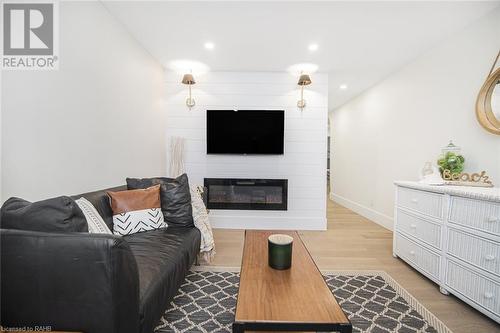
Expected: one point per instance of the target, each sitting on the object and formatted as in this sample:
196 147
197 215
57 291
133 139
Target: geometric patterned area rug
373 301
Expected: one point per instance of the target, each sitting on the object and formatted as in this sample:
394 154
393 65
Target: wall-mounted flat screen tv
245 131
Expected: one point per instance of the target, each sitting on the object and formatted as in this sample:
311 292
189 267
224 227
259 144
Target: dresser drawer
479 289
419 228
427 203
476 214
418 256
474 250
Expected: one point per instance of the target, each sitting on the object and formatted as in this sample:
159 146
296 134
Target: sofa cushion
136 210
175 198
60 214
163 258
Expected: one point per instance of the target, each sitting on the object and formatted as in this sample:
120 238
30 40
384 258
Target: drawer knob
413 226
493 219
489 257
412 253
414 200
488 295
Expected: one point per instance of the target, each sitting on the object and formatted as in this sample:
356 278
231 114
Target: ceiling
359 43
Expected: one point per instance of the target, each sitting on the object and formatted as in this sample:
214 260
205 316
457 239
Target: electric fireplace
249 194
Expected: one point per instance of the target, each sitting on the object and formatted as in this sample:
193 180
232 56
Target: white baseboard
267 222
371 214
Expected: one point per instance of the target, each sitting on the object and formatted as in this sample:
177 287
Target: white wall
1 135
92 123
304 161
391 130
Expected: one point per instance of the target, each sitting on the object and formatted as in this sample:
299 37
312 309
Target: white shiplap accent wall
304 161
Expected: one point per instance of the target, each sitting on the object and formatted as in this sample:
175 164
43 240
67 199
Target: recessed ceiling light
343 86
313 47
209 45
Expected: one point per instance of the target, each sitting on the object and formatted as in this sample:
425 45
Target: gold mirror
488 102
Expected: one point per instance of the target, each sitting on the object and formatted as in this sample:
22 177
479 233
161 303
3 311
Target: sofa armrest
70 282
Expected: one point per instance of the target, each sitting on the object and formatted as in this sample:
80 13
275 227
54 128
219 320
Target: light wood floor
353 242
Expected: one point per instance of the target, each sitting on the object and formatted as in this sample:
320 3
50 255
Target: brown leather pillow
136 210
127 201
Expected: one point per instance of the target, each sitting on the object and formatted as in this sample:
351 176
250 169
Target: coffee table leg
238 327
346 328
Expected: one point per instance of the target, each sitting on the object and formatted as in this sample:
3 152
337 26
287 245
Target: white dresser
451 234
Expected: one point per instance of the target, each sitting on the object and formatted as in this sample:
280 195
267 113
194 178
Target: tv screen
245 131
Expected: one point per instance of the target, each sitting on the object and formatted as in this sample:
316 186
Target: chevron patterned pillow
136 210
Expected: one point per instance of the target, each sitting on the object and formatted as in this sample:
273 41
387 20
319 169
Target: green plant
451 161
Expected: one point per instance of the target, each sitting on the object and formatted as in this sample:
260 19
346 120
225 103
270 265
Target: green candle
280 251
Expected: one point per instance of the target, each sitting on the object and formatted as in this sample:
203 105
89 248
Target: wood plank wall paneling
304 161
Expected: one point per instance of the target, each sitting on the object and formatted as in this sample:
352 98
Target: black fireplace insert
249 194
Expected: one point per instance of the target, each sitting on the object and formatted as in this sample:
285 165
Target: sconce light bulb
190 102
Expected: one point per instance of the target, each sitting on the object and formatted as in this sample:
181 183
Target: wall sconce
304 80
189 80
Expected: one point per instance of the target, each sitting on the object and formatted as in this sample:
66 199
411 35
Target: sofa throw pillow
175 198
136 210
60 214
95 222
100 200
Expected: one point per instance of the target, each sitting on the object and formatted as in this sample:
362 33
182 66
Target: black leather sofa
93 283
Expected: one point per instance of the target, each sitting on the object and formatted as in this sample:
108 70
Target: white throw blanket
200 217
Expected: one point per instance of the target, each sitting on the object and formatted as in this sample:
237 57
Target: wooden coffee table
296 299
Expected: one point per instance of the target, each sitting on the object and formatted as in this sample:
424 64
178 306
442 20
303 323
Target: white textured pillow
94 220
